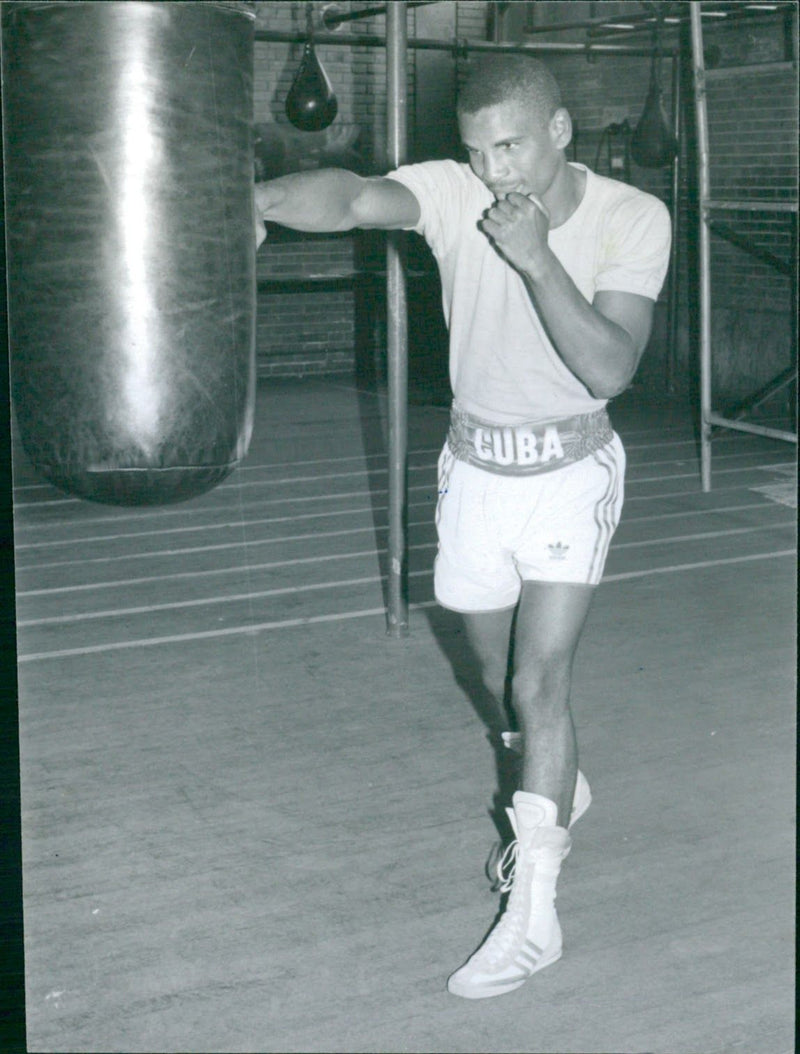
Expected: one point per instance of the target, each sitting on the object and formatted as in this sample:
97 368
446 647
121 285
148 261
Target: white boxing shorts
506 521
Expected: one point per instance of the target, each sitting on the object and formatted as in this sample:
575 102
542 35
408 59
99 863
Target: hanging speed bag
311 104
653 145
131 261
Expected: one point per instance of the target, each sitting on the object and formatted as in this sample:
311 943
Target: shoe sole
466 992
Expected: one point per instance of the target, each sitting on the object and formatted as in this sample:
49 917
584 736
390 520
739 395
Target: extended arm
601 342
334 199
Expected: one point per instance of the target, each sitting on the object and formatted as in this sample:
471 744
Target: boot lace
507 867
511 927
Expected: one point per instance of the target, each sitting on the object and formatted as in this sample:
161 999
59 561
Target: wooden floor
253 822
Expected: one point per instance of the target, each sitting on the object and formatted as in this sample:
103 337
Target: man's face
510 148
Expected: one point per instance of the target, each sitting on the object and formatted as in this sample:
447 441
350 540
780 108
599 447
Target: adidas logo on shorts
558 551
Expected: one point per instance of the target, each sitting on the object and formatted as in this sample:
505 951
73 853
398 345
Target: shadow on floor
448 632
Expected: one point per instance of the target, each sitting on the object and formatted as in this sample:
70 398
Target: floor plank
274 839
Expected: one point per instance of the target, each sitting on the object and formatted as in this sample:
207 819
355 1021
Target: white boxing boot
582 798
528 936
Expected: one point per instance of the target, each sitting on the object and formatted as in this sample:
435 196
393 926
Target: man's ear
561 128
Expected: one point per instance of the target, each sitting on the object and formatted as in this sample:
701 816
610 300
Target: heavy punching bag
131 254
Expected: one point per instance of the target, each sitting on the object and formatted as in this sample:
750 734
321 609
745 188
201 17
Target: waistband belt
526 449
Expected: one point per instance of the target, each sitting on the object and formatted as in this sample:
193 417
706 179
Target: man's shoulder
447 192
621 199
443 172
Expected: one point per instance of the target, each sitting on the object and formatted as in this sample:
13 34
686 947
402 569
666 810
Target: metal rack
709 208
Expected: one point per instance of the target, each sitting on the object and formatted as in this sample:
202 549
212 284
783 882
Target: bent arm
334 199
601 342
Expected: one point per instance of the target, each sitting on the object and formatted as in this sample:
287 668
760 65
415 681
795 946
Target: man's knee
495 678
543 685
489 634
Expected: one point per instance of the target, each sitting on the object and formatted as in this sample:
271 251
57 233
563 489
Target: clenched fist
517 225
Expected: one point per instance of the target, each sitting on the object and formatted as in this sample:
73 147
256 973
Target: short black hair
493 79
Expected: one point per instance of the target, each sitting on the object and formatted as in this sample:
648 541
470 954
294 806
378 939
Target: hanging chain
657 26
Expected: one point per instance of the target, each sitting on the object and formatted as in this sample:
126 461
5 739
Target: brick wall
752 122
304 326
753 148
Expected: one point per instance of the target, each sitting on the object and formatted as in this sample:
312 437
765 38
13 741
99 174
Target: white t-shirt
503 367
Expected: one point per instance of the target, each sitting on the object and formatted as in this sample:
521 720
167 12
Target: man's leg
550 620
489 635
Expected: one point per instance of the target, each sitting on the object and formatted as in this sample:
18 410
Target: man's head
514 127
494 79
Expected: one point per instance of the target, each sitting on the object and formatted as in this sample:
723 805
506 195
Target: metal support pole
794 310
674 277
497 23
397 327
704 236
331 19
278 36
